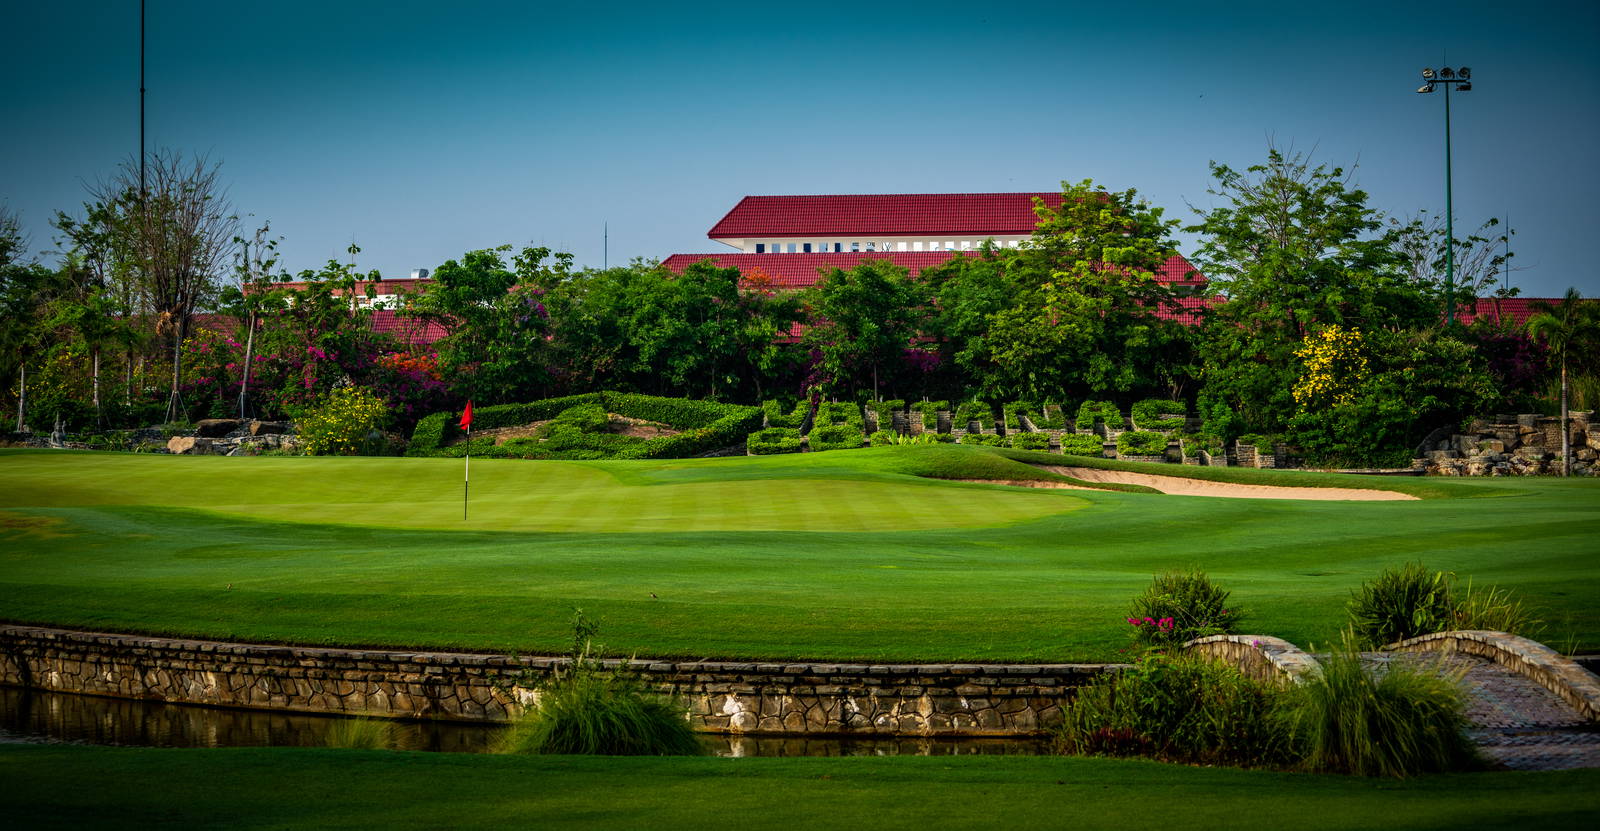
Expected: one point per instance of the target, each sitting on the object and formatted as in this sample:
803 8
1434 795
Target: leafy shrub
588 710
1030 441
1141 443
342 422
835 437
1082 444
986 439
971 411
1147 414
1401 603
930 412
1090 412
1403 721
1179 708
1180 606
777 416
773 440
881 438
914 438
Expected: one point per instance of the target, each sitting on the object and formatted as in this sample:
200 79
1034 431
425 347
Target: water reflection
37 716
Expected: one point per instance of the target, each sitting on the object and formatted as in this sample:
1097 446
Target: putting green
513 495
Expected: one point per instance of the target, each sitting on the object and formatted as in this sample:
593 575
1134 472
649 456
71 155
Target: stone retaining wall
1531 659
732 697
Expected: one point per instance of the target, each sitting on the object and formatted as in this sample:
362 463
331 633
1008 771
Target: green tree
1074 309
1292 247
862 321
1568 326
496 347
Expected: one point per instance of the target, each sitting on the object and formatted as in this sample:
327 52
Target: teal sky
422 130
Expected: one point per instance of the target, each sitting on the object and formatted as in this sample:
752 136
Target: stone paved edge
1263 657
1531 659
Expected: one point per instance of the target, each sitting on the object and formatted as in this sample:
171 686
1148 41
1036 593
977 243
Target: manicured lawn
61 787
839 555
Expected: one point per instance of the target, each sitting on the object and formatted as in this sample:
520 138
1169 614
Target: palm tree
1564 327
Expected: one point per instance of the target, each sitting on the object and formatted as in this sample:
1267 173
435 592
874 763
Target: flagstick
466 474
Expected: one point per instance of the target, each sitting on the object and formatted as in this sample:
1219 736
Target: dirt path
1202 487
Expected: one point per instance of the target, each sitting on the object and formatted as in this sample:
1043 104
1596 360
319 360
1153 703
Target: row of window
857 247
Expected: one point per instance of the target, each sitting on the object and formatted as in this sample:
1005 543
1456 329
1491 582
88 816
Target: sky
421 130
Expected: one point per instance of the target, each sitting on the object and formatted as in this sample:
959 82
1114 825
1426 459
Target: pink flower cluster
1165 624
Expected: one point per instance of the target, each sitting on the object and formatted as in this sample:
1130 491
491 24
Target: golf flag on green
466 472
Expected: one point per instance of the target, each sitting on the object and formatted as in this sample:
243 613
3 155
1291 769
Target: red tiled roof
896 214
407 330
798 271
1515 309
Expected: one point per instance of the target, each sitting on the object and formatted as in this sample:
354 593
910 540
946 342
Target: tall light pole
1461 79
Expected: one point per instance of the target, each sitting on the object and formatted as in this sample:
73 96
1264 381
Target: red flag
466 417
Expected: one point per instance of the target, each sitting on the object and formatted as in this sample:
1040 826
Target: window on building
872 246
807 248
916 246
899 246
791 248
855 247
838 247
761 248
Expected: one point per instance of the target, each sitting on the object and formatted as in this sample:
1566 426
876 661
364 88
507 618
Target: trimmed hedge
930 412
706 426
836 437
987 439
1053 416
773 440
1081 444
778 417
1142 443
885 411
1147 414
1090 412
881 438
971 411
1029 441
1013 410
847 413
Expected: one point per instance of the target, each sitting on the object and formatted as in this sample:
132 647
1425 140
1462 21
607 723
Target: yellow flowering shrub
339 423
1334 368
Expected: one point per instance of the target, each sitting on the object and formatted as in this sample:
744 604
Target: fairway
854 555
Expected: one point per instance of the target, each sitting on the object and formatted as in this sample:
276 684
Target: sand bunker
1027 483
1202 487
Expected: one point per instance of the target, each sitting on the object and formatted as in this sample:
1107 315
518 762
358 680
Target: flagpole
466 471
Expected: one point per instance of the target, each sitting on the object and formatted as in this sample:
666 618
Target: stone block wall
1262 657
733 697
1514 445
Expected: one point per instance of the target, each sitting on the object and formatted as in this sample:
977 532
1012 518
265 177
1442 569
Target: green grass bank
288 788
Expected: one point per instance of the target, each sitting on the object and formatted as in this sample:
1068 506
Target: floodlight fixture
1448 78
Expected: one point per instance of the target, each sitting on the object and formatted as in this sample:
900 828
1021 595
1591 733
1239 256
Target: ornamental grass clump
362 734
1181 708
590 710
1399 720
1401 603
1180 606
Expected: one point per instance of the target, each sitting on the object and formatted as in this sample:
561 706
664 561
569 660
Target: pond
38 716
